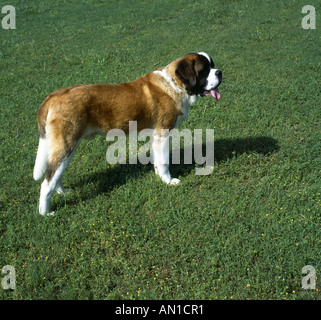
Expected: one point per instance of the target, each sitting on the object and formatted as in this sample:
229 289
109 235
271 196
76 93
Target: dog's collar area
169 79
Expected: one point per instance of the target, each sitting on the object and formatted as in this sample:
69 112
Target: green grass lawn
243 232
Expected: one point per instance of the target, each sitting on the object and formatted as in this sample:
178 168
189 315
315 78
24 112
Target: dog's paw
47 214
174 181
64 192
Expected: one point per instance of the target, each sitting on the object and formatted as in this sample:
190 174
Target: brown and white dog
157 100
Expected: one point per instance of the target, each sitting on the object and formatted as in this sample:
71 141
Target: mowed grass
243 232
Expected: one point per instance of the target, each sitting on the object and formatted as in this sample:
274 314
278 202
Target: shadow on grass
224 149
228 148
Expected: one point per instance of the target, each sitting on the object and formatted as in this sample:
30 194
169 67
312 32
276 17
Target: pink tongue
216 94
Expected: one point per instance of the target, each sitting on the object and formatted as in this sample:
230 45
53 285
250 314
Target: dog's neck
164 73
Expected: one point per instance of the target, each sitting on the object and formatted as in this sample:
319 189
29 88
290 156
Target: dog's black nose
218 73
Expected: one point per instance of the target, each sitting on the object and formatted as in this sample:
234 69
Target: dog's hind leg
61 190
63 142
50 184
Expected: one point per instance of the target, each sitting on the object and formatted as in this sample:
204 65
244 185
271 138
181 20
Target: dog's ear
185 71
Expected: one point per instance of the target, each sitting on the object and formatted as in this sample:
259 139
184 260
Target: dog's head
197 72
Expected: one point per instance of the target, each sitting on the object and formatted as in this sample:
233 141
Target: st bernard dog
157 100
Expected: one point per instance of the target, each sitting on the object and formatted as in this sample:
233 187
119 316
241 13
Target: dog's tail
41 164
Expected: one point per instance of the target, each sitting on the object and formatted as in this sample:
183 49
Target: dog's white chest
187 102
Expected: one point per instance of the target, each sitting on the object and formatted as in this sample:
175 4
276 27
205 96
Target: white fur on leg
61 190
160 148
49 187
41 159
46 193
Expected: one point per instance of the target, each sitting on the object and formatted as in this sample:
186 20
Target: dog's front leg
160 149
